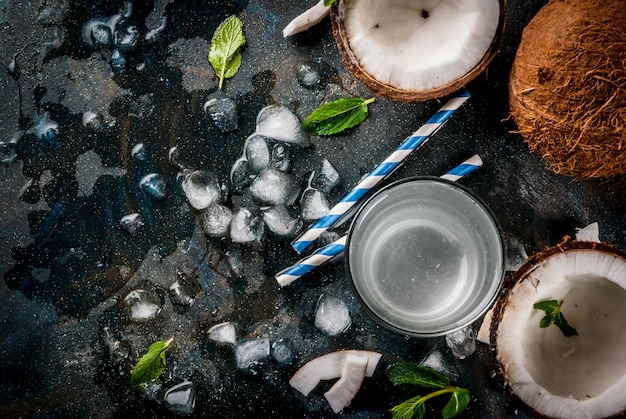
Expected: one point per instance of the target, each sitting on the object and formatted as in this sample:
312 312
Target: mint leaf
457 404
334 117
329 2
409 409
413 374
552 308
225 52
150 366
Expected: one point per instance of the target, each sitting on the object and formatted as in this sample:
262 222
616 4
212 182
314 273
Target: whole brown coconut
567 89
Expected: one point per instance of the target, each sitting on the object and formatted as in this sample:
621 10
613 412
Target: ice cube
280 157
175 158
116 349
181 398
142 305
280 221
437 361
462 343
132 222
240 174
279 123
251 352
257 153
180 298
314 205
223 112
326 177
246 226
332 316
154 185
309 75
8 152
273 187
138 152
223 332
216 219
201 188
282 351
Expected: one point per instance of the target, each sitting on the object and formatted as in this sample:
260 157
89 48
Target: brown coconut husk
567 89
351 62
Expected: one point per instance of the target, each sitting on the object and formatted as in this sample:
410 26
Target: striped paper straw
324 254
381 171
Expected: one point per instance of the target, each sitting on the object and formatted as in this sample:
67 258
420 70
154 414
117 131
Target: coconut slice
417 49
328 367
343 391
581 376
307 19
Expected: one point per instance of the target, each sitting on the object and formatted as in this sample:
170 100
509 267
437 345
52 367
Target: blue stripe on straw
462 170
301 245
412 142
441 116
384 168
354 195
327 221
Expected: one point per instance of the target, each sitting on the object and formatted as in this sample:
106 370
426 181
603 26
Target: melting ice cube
257 153
282 351
240 174
223 332
280 221
246 226
462 343
326 177
154 185
332 316
181 398
273 187
251 352
279 123
223 112
132 222
142 305
201 188
216 219
314 205
280 157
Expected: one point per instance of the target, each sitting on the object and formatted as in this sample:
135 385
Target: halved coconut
581 376
417 49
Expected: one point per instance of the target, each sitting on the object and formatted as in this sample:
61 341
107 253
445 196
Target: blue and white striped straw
324 254
380 172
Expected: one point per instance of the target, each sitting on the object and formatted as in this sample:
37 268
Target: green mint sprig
334 117
329 2
552 308
150 366
225 53
412 374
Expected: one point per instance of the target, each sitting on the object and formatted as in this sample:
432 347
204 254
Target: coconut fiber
567 89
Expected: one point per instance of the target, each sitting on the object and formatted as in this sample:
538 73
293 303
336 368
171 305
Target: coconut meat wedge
582 376
417 49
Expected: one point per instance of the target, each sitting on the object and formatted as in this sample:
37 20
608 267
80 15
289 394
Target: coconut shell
511 280
352 64
567 88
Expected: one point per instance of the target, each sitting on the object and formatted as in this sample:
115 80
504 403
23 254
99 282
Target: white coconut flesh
577 376
419 45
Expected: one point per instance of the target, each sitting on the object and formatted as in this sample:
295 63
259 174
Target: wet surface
72 273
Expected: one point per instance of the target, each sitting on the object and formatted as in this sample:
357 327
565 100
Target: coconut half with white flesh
582 376
417 49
